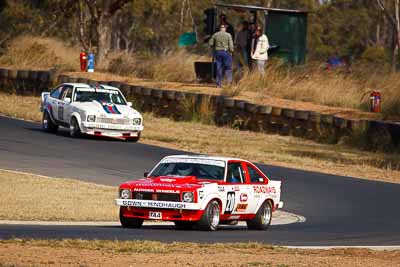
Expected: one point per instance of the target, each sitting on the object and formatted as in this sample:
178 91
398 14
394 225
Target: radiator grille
114 121
157 196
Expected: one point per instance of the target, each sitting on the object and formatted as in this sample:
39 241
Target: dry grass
151 253
259 147
28 52
313 83
33 197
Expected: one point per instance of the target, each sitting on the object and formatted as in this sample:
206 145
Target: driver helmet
184 169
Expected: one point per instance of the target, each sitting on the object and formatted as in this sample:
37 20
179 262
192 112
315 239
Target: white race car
100 110
203 191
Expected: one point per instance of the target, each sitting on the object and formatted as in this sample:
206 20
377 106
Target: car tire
47 123
129 222
74 129
133 139
263 217
210 219
181 225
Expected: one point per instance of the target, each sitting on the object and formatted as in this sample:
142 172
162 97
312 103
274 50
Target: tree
394 20
102 13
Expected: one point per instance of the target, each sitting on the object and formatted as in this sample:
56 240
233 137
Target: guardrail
224 111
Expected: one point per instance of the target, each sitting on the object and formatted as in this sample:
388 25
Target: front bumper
111 130
168 211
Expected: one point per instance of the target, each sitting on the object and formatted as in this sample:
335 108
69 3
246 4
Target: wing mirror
67 100
146 174
129 104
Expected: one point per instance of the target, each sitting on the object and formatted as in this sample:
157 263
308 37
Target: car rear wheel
74 129
184 225
129 222
210 219
47 123
263 218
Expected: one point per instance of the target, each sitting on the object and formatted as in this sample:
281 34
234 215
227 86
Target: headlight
187 197
91 118
137 121
125 193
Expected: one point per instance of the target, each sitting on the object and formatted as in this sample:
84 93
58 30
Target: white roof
85 85
204 157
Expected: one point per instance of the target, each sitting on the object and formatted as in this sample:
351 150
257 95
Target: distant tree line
359 29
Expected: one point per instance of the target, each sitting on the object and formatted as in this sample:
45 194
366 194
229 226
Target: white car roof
226 159
85 85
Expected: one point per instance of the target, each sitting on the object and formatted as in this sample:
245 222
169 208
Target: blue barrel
90 67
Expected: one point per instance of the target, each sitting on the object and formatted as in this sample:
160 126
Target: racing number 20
230 202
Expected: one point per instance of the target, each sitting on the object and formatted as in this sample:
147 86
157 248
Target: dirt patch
146 253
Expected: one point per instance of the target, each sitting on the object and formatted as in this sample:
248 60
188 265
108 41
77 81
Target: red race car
200 191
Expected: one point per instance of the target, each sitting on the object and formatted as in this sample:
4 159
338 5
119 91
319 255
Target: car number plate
155 215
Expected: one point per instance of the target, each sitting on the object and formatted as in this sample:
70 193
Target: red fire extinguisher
375 98
83 60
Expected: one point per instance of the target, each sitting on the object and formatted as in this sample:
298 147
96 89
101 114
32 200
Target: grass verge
151 253
277 150
34 197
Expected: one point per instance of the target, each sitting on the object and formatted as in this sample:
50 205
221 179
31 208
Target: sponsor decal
218 163
158 185
154 204
236 188
143 190
234 217
243 197
264 189
230 202
166 191
241 207
100 90
221 189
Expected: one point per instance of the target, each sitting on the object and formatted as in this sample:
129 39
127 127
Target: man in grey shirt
222 44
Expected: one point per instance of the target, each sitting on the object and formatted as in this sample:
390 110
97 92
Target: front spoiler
152 204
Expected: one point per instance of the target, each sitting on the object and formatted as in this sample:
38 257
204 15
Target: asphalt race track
339 210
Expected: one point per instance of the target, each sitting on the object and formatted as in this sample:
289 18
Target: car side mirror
67 100
146 174
261 180
129 104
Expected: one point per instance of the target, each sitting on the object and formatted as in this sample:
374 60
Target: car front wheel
210 219
263 217
74 129
129 222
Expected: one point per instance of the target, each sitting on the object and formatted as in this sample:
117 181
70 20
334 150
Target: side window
67 92
235 173
255 176
56 93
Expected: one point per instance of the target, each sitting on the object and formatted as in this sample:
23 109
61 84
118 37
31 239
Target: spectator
223 20
241 46
251 30
259 49
222 44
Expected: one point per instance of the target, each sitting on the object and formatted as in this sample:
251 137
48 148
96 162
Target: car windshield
101 95
200 170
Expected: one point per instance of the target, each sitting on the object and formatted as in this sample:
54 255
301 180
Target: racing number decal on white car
230 202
